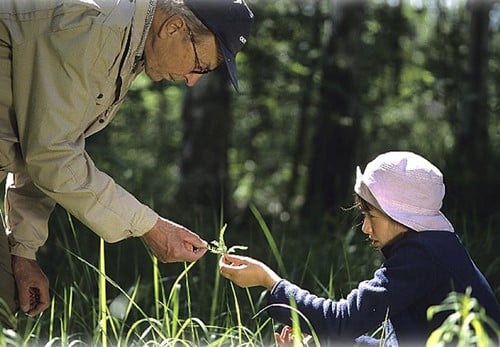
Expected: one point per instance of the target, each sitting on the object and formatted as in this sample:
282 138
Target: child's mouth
374 243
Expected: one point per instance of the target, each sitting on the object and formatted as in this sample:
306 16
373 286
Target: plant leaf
220 248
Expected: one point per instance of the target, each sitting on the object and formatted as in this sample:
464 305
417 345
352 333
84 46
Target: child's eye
367 214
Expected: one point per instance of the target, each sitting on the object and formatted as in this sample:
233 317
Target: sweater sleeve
394 287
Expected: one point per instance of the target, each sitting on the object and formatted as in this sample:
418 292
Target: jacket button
100 96
101 120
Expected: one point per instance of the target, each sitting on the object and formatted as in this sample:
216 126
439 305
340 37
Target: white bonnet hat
407 187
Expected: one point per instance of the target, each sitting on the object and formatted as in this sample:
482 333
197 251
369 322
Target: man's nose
192 78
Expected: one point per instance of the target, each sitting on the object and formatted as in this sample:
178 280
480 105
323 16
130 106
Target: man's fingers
37 309
186 252
44 300
198 252
33 301
32 286
196 241
24 297
190 256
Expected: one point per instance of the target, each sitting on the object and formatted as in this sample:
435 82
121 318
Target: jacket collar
141 25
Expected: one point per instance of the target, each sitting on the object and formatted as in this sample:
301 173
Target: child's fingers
286 332
227 267
279 340
285 337
234 259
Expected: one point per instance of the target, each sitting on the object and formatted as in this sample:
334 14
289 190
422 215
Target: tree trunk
206 122
337 125
308 91
472 147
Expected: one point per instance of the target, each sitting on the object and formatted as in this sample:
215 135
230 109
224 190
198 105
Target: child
400 195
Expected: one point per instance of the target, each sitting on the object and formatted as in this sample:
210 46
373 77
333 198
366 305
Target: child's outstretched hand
286 338
247 272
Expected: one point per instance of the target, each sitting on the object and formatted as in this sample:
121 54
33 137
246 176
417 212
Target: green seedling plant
466 325
220 248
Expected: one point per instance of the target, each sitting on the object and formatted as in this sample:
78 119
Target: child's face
380 228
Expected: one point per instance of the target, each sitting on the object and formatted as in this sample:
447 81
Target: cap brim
230 62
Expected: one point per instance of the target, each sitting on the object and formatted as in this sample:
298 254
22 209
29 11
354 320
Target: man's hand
171 242
32 286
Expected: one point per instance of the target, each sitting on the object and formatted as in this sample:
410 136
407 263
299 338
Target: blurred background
325 86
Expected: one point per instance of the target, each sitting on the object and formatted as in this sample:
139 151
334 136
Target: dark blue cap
231 22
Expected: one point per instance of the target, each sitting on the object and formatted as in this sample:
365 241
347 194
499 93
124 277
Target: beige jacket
65 67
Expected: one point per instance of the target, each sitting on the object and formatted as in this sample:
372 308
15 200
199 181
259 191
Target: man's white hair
177 7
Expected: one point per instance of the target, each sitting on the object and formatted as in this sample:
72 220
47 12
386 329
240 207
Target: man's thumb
24 301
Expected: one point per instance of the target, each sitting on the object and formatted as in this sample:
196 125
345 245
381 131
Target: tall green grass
94 305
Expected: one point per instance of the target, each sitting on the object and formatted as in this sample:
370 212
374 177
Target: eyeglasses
198 69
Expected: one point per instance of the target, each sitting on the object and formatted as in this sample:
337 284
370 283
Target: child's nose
367 226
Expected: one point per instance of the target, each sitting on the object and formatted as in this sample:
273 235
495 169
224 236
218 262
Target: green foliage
220 248
183 310
6 317
466 325
411 74
115 322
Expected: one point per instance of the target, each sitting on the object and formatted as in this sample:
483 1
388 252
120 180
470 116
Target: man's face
173 53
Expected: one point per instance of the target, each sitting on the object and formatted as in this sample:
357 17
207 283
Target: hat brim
230 62
415 222
419 222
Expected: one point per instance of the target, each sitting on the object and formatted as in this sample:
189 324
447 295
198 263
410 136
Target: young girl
400 195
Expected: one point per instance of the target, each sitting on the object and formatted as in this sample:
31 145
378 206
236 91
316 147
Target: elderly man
65 67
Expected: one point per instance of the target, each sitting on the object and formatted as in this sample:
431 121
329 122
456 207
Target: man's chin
152 75
154 78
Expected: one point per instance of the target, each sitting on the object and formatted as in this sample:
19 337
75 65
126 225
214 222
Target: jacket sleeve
392 289
58 76
28 226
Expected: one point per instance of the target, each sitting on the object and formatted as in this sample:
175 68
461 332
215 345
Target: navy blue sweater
420 269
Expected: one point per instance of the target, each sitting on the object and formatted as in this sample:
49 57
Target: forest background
325 86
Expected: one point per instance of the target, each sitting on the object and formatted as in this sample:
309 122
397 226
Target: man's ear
171 26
